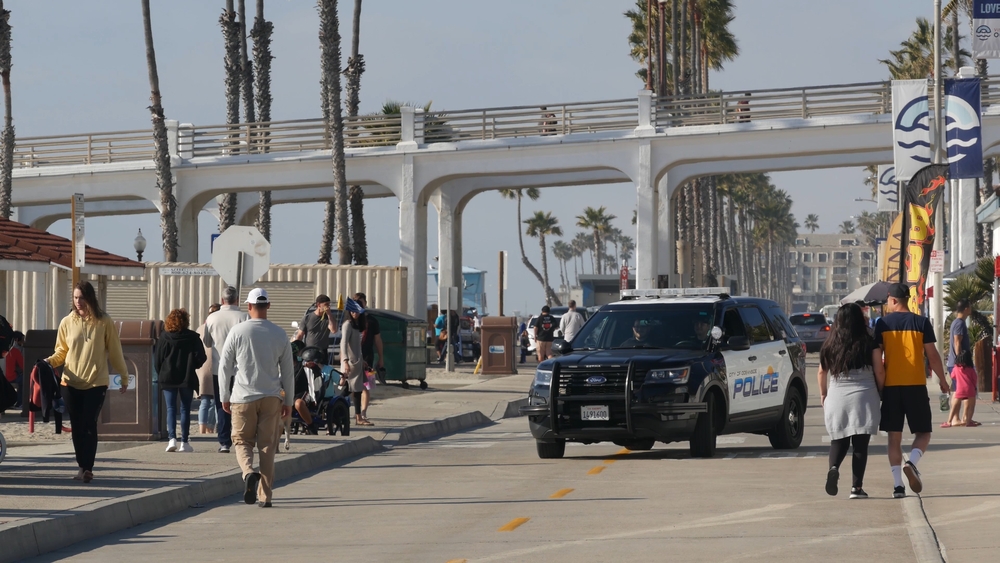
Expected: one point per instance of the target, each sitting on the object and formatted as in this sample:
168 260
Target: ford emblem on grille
596 380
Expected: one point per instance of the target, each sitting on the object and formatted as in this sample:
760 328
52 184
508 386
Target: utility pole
937 302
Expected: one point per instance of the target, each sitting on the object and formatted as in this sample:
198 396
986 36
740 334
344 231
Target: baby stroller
316 384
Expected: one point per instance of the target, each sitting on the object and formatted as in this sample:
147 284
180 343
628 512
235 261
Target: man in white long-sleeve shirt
217 327
257 357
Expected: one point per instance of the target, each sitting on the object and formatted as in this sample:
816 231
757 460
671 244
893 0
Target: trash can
137 413
404 344
38 345
499 345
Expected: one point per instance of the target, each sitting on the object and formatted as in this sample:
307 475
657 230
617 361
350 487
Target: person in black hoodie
179 353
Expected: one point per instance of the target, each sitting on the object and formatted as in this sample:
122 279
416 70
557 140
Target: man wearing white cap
258 358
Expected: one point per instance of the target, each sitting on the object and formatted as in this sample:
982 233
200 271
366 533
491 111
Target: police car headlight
677 375
543 376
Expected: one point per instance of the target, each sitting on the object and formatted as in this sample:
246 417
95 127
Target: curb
435 429
926 547
509 409
37 536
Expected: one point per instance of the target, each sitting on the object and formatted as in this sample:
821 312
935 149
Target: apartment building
825 268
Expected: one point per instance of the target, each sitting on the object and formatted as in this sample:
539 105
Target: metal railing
717 108
530 121
90 148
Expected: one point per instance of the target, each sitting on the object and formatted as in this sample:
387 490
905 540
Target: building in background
825 268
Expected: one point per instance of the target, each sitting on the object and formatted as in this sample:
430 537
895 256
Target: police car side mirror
738 343
560 346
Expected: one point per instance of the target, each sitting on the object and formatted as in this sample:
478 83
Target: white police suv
672 365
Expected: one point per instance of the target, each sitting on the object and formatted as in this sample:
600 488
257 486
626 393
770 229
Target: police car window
677 326
755 324
732 325
780 323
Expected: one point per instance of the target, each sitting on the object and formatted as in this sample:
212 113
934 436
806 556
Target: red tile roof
21 242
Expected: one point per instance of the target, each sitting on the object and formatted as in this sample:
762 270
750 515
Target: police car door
738 364
765 385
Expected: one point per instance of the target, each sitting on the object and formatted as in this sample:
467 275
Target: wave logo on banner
986 29
963 128
911 132
888 189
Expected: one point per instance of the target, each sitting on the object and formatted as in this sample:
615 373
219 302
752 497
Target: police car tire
641 445
551 450
782 437
702 442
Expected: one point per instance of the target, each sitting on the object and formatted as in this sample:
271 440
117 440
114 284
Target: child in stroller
317 403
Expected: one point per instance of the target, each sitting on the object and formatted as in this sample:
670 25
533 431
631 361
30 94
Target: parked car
672 368
531 329
812 328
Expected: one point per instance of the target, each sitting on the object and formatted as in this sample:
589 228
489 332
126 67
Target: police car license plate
594 412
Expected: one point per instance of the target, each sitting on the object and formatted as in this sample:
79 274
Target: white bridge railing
416 126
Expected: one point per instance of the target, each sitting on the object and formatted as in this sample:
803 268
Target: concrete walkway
43 509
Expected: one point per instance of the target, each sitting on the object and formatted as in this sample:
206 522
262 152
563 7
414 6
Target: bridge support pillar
449 242
648 216
187 233
413 240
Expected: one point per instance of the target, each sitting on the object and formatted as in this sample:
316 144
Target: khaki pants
257 424
544 350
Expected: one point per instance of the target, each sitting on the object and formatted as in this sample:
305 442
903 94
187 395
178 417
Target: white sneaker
186 448
172 445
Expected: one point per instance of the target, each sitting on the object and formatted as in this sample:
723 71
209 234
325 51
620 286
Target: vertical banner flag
888 188
922 199
892 251
911 132
963 128
986 29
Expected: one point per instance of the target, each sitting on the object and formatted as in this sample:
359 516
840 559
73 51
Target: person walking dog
257 357
217 327
907 340
85 343
850 378
179 354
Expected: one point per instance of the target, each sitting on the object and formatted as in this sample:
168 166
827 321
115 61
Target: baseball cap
258 296
899 291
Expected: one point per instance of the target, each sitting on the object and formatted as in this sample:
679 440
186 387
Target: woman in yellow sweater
85 343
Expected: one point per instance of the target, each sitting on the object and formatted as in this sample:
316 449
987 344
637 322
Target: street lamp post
139 244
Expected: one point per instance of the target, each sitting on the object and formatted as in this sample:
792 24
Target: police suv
672 365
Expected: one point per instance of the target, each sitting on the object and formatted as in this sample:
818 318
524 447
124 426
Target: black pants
838 451
223 420
84 406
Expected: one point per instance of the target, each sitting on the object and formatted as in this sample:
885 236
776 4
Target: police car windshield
670 326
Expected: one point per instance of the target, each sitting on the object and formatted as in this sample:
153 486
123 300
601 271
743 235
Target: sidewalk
43 509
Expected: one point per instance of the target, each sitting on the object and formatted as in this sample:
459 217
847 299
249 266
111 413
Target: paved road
485 496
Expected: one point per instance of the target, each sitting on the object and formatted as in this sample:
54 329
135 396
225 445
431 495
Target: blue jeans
186 395
206 410
223 420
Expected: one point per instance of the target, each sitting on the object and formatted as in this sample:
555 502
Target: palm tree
234 71
915 57
517 195
614 235
628 246
161 154
261 34
847 227
336 212
7 137
247 70
352 74
598 221
542 225
581 245
812 222
564 253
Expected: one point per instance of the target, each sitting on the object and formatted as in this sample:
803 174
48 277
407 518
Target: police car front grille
574 381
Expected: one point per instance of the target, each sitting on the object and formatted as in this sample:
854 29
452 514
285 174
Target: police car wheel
702 442
787 433
551 450
639 445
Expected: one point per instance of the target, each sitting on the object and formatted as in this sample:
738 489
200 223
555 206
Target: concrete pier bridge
445 158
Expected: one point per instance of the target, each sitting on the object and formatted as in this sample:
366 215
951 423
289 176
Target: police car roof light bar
674 292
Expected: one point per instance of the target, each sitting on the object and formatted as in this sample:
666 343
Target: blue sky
80 67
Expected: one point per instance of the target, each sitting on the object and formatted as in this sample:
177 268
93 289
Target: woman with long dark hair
352 361
85 343
179 354
851 376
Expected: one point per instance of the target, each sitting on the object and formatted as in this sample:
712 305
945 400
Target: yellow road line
596 470
561 493
624 451
513 524
457 560
610 461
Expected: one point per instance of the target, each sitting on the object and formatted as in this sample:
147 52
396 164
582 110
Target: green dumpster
404 343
